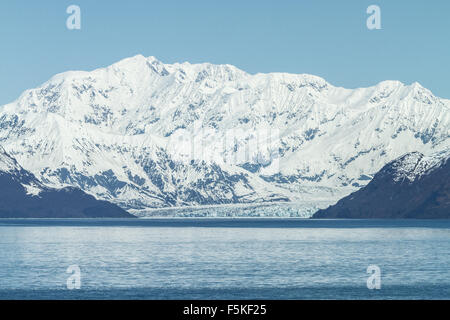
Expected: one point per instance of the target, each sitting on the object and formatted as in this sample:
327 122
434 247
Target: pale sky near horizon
326 38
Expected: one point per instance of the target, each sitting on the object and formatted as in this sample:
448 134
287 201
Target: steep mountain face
23 196
413 186
145 134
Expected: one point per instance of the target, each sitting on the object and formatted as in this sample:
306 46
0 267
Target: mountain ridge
24 196
144 134
412 186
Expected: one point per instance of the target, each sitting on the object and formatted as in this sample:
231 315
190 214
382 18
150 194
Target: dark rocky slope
412 186
23 196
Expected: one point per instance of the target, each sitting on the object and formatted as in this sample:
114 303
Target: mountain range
143 134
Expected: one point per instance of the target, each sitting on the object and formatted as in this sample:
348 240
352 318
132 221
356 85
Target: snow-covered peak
405 167
389 84
119 132
415 165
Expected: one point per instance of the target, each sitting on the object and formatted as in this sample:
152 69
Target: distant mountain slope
413 186
145 134
23 196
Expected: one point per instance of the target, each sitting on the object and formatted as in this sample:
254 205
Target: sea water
223 259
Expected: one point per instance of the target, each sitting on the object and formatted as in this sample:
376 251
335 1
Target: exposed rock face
23 196
413 186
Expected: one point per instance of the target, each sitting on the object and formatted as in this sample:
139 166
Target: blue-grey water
224 258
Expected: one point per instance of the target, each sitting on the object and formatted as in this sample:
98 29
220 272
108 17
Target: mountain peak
390 84
137 60
414 165
124 133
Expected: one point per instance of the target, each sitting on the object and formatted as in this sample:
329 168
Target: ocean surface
223 259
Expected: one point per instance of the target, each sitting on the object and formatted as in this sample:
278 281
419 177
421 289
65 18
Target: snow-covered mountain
145 134
412 186
22 195
9 167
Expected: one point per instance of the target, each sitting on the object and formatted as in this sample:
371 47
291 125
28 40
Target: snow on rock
145 134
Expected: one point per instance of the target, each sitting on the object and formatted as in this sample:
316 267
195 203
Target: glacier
147 135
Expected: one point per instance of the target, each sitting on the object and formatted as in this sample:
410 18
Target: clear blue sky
326 38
